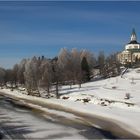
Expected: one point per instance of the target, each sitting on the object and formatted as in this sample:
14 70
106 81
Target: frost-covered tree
66 65
20 73
46 75
31 76
40 72
70 65
76 60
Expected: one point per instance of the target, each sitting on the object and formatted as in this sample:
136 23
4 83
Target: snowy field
104 98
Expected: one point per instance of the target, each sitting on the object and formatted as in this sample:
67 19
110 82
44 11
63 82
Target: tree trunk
48 90
79 85
70 85
57 94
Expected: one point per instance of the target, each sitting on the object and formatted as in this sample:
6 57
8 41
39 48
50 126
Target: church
131 53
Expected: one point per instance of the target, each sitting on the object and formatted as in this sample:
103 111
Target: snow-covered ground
104 98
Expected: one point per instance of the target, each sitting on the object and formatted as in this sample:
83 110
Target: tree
70 64
56 76
9 78
90 58
66 66
15 74
101 62
31 77
20 73
85 70
2 76
113 65
76 61
46 76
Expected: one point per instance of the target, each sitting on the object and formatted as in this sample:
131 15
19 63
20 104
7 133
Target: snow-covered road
20 122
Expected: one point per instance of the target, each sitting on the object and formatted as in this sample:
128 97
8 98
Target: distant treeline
68 68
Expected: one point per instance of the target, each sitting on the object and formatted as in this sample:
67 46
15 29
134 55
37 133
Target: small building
132 51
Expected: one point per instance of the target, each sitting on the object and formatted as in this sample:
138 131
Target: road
20 122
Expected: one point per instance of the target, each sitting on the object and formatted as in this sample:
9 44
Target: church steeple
133 35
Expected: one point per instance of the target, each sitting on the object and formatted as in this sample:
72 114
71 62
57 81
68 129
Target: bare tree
9 78
56 76
101 62
2 76
113 66
15 74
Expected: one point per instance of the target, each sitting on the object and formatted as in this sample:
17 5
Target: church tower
133 44
132 50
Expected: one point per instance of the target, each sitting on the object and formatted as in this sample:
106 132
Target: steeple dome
133 39
133 35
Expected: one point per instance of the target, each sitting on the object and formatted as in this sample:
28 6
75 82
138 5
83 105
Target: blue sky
42 28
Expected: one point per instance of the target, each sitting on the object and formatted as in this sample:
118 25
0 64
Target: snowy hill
109 97
104 98
111 91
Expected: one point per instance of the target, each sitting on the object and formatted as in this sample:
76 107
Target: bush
127 96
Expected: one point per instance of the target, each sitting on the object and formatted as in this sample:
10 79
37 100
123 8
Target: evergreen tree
85 69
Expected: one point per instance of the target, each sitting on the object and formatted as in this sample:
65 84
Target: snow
37 128
106 99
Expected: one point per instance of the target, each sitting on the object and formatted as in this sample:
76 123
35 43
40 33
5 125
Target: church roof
133 42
